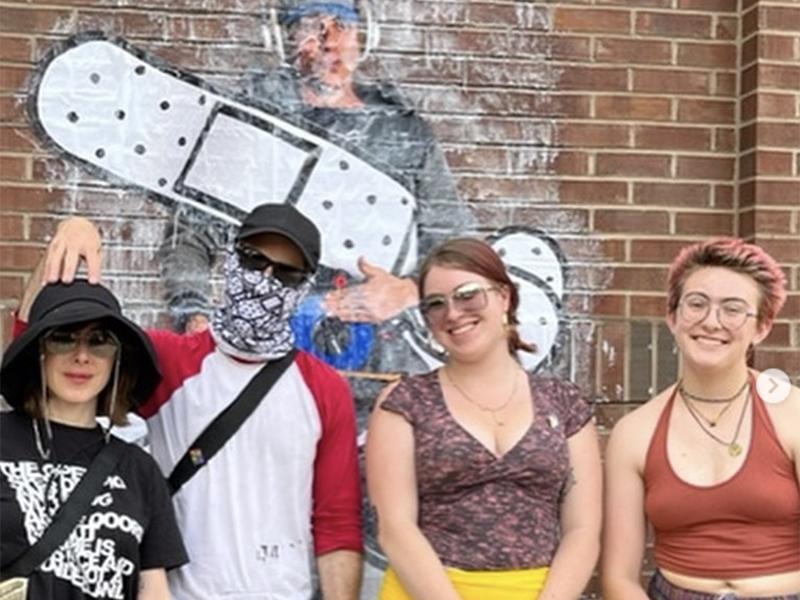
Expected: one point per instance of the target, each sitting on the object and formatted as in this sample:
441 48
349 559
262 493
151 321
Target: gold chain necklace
492 411
734 448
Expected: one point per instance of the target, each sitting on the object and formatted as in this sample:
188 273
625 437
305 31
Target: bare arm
340 574
153 585
625 524
392 485
581 516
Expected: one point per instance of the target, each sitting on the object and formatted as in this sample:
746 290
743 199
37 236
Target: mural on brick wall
352 155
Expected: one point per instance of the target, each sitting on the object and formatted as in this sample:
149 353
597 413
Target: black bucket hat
60 305
285 220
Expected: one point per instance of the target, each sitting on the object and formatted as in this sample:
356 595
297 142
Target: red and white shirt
284 488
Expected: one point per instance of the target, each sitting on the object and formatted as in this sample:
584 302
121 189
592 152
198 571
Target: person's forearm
416 564
340 574
572 565
617 588
32 288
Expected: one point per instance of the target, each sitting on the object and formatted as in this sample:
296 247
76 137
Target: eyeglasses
469 297
253 260
101 343
732 314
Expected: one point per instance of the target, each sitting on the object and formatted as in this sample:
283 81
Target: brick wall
625 129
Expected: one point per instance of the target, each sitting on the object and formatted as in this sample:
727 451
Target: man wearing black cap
285 486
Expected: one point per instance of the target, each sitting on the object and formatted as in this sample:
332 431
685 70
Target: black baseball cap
285 220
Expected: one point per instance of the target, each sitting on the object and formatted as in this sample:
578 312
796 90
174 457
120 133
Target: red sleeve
18 328
179 356
336 518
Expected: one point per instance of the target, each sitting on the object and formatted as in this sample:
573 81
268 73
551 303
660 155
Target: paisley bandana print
254 322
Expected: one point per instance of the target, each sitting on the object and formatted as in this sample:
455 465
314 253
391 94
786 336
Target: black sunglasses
253 260
100 342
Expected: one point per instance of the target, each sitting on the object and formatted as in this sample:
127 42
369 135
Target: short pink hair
737 255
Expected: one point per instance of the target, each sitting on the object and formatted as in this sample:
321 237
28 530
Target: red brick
526 16
519 188
12 228
666 81
13 168
704 224
32 20
583 249
749 22
672 194
713 56
635 108
639 3
781 18
14 78
692 110
589 135
779 336
16 139
648 306
673 25
725 85
12 110
785 251
600 79
133 25
661 251
786 360
723 196
470 158
596 304
781 135
724 139
705 167
612 359
16 49
19 257
763 162
593 192
766 222
632 165
592 20
632 51
776 105
29 199
718 6
631 221
786 77
776 47
10 287
727 28
749 78
674 138
642 279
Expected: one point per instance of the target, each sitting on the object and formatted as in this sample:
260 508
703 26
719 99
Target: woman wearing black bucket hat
80 358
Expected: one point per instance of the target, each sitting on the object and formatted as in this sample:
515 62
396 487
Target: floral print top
481 512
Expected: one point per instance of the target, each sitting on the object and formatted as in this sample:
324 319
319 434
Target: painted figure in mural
253 519
713 461
486 479
77 359
317 85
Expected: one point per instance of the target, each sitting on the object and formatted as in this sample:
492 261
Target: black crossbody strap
70 513
227 423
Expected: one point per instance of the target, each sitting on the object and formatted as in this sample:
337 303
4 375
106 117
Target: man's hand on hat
76 238
381 296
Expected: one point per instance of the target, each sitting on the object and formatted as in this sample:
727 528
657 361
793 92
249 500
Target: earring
505 320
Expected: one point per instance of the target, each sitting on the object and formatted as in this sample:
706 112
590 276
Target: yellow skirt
520 584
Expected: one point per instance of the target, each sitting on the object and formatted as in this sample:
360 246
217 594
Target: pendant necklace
734 448
499 421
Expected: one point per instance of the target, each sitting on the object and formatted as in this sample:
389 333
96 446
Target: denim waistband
661 589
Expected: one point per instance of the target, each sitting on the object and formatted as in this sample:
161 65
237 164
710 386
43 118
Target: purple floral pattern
478 511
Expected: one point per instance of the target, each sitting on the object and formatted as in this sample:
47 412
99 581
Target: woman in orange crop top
712 463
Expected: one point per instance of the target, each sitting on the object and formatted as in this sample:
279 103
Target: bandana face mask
254 322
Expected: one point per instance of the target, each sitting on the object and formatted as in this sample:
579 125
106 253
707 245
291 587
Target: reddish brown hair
737 255
476 256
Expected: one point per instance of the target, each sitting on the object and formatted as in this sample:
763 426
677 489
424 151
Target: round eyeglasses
732 313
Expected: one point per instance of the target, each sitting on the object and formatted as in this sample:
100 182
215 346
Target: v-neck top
480 511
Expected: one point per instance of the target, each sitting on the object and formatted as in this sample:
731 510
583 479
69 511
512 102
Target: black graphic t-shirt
129 527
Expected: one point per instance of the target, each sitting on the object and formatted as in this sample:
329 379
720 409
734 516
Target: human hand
380 297
76 238
196 323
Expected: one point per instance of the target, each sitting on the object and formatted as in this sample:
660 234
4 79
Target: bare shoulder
384 393
631 435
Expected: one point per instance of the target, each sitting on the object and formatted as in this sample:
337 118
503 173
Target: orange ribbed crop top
746 526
